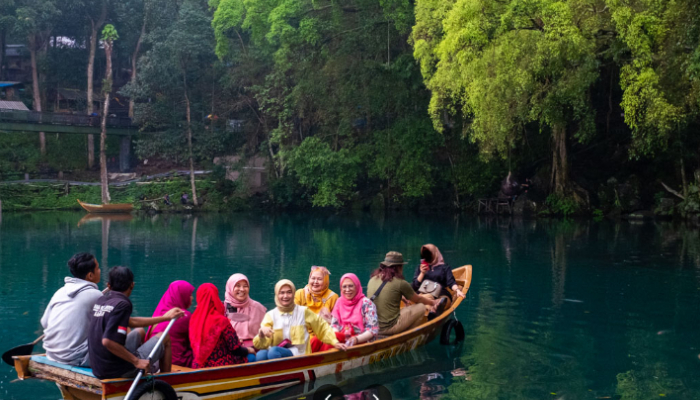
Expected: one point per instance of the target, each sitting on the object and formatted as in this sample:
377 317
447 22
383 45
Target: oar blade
23 350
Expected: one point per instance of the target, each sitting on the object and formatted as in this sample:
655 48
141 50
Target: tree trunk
134 58
3 36
103 125
684 180
90 75
189 144
35 88
560 162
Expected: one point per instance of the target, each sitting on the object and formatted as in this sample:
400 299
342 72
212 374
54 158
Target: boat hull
246 380
120 208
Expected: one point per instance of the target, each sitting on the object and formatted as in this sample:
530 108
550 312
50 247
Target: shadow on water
557 309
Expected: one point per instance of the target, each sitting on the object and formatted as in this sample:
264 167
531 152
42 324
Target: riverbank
225 196
146 196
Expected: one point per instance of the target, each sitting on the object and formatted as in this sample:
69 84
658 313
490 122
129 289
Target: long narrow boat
107 208
243 380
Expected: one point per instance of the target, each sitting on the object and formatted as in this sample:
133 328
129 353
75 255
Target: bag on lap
430 287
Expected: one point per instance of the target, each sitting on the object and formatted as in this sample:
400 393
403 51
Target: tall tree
96 15
35 21
504 64
109 35
660 75
174 71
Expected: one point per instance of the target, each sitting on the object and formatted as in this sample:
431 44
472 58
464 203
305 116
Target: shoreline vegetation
147 196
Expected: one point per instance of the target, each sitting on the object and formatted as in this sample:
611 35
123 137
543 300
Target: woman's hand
351 342
265 332
459 293
325 314
251 350
340 346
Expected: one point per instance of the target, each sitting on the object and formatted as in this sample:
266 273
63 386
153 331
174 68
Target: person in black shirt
114 351
434 268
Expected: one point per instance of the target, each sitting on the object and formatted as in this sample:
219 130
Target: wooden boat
243 380
107 208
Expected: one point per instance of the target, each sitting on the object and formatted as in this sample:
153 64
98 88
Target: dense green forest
393 103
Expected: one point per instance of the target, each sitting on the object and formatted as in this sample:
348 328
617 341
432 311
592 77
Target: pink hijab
246 328
348 312
177 295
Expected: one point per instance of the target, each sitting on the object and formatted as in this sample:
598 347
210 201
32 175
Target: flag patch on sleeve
122 330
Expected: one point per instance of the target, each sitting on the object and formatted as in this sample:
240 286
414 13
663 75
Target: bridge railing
36 117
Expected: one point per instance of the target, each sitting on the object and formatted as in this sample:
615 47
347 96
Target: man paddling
66 318
115 352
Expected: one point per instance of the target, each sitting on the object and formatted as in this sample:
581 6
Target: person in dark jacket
434 268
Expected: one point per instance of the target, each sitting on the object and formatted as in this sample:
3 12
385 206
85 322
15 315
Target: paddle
150 357
24 349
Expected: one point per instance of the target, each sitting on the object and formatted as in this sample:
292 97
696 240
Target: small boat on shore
242 380
120 208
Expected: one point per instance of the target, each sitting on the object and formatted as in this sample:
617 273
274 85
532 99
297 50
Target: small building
6 105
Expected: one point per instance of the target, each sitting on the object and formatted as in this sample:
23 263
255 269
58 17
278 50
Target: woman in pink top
179 294
244 313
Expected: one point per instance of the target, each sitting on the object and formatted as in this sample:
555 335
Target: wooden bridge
34 121
17 121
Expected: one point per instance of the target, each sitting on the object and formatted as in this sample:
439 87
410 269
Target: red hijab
207 322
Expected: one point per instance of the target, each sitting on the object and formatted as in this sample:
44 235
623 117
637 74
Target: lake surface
557 309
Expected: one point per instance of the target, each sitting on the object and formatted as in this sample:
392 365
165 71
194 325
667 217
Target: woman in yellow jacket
317 295
284 331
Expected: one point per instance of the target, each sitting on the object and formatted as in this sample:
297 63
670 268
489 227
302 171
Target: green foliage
598 215
659 67
331 174
109 33
504 64
562 205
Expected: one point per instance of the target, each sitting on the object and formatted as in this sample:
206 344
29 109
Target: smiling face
240 291
348 289
285 296
316 281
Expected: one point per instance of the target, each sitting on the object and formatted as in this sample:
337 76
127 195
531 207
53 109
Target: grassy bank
212 196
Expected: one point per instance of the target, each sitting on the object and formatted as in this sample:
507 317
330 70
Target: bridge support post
125 154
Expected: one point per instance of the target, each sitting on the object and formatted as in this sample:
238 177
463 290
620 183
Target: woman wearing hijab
316 295
214 341
354 316
179 294
434 268
285 330
244 313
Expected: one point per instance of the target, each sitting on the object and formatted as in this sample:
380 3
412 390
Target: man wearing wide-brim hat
386 287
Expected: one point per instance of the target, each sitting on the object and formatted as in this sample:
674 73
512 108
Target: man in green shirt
388 280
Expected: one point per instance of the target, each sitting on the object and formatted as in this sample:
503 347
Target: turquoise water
557 309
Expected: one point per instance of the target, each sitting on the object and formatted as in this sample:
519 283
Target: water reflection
557 309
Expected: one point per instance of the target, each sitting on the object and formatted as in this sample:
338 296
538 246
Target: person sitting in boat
386 287
214 341
316 295
244 313
66 318
354 316
179 294
285 330
113 352
433 270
